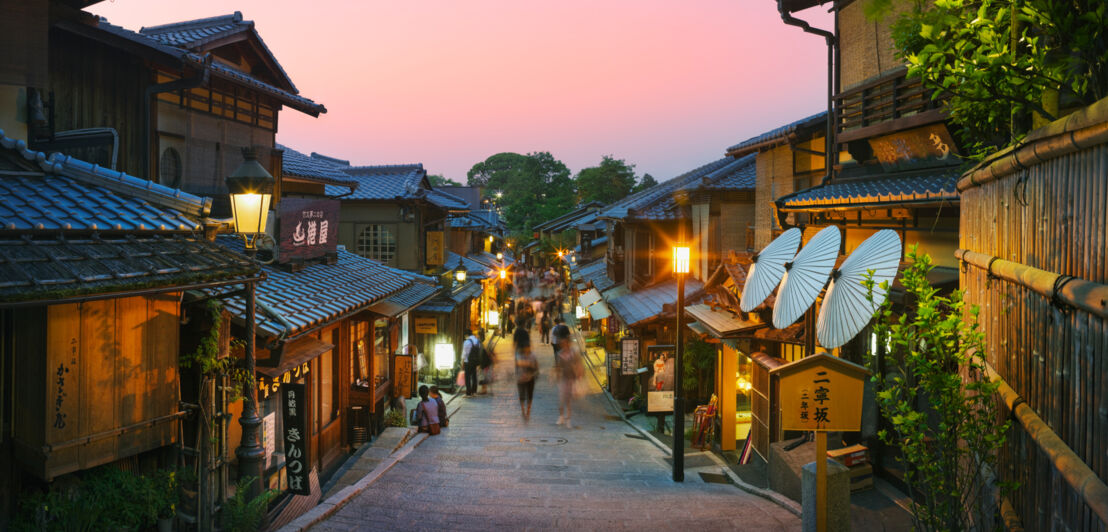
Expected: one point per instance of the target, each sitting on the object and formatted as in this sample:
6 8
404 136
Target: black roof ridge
414 166
233 18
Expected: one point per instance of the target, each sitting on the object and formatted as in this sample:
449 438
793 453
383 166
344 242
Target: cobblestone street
490 471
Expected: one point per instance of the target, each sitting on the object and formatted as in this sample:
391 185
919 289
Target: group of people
430 414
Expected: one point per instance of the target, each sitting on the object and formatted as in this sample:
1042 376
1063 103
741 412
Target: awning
299 352
721 324
698 328
599 310
404 300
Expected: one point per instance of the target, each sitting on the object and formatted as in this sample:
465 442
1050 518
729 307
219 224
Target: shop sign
269 437
629 355
402 375
294 405
659 401
436 248
426 325
918 147
267 384
309 228
821 393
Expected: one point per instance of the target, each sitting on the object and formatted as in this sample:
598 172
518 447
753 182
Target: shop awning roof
645 304
721 324
934 186
404 300
296 353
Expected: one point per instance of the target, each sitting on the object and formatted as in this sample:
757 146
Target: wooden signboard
309 228
436 250
401 375
659 402
294 408
821 392
426 325
913 148
629 354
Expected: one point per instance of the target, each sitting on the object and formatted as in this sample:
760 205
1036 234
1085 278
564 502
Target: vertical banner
294 404
402 375
436 248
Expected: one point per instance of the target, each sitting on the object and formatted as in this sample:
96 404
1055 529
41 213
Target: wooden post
821 481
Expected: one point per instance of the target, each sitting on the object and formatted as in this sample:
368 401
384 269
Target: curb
770 495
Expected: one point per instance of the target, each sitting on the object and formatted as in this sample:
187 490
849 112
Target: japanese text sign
436 248
309 228
629 353
294 406
821 393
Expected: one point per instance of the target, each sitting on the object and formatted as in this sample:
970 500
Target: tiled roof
445 200
587 210
739 175
317 294
931 187
69 228
657 202
384 182
778 135
39 269
194 34
181 56
478 220
490 261
597 273
316 169
73 195
472 268
644 304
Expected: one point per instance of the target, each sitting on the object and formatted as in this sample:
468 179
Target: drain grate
715 478
544 441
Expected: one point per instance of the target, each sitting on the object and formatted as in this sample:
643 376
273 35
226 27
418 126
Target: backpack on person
483 358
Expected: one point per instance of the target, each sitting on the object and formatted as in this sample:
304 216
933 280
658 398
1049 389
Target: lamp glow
680 259
492 318
503 274
444 356
251 189
499 256
561 254
460 276
250 212
581 313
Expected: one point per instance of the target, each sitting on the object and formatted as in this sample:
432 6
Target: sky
665 85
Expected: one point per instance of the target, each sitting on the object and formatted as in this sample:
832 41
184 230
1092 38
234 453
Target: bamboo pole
1085 295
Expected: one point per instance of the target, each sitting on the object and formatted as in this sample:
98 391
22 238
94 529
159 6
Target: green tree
534 187
998 63
646 182
438 180
608 182
938 399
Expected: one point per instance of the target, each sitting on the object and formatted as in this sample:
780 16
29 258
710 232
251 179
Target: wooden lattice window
377 242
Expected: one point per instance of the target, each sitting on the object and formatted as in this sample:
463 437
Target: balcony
884 105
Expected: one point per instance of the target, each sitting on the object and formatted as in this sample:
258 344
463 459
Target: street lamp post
251 189
680 269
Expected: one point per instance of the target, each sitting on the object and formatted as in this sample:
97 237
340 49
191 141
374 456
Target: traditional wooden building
95 264
1034 257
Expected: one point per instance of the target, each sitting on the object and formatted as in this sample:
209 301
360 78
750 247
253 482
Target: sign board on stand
821 393
659 402
629 355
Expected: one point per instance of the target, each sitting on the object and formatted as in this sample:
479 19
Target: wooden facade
97 382
1033 238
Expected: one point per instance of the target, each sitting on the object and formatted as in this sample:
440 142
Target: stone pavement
491 470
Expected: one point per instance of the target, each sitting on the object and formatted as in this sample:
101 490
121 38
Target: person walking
544 327
427 413
570 370
527 370
471 348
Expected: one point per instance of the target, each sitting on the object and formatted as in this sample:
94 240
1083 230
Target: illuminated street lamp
499 256
561 253
503 274
460 276
680 270
251 190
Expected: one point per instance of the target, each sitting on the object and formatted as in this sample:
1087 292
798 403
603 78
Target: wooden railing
877 106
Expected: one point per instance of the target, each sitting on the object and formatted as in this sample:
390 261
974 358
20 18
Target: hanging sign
294 407
267 384
436 248
309 228
629 355
401 375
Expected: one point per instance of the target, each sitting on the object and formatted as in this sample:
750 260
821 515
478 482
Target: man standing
470 357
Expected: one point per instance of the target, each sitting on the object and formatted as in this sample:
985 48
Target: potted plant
165 498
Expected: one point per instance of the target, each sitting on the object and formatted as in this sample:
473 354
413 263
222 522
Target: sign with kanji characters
426 325
436 248
914 148
629 355
268 385
309 228
294 410
821 393
659 402
402 375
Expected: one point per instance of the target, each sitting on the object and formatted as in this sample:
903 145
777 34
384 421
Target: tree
646 182
939 401
437 180
999 63
608 182
533 187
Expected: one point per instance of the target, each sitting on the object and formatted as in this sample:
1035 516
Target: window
377 242
381 350
169 168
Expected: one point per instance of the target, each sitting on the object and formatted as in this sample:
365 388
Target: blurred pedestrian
485 367
544 328
570 370
527 370
427 413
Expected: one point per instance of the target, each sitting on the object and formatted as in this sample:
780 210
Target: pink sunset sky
665 85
